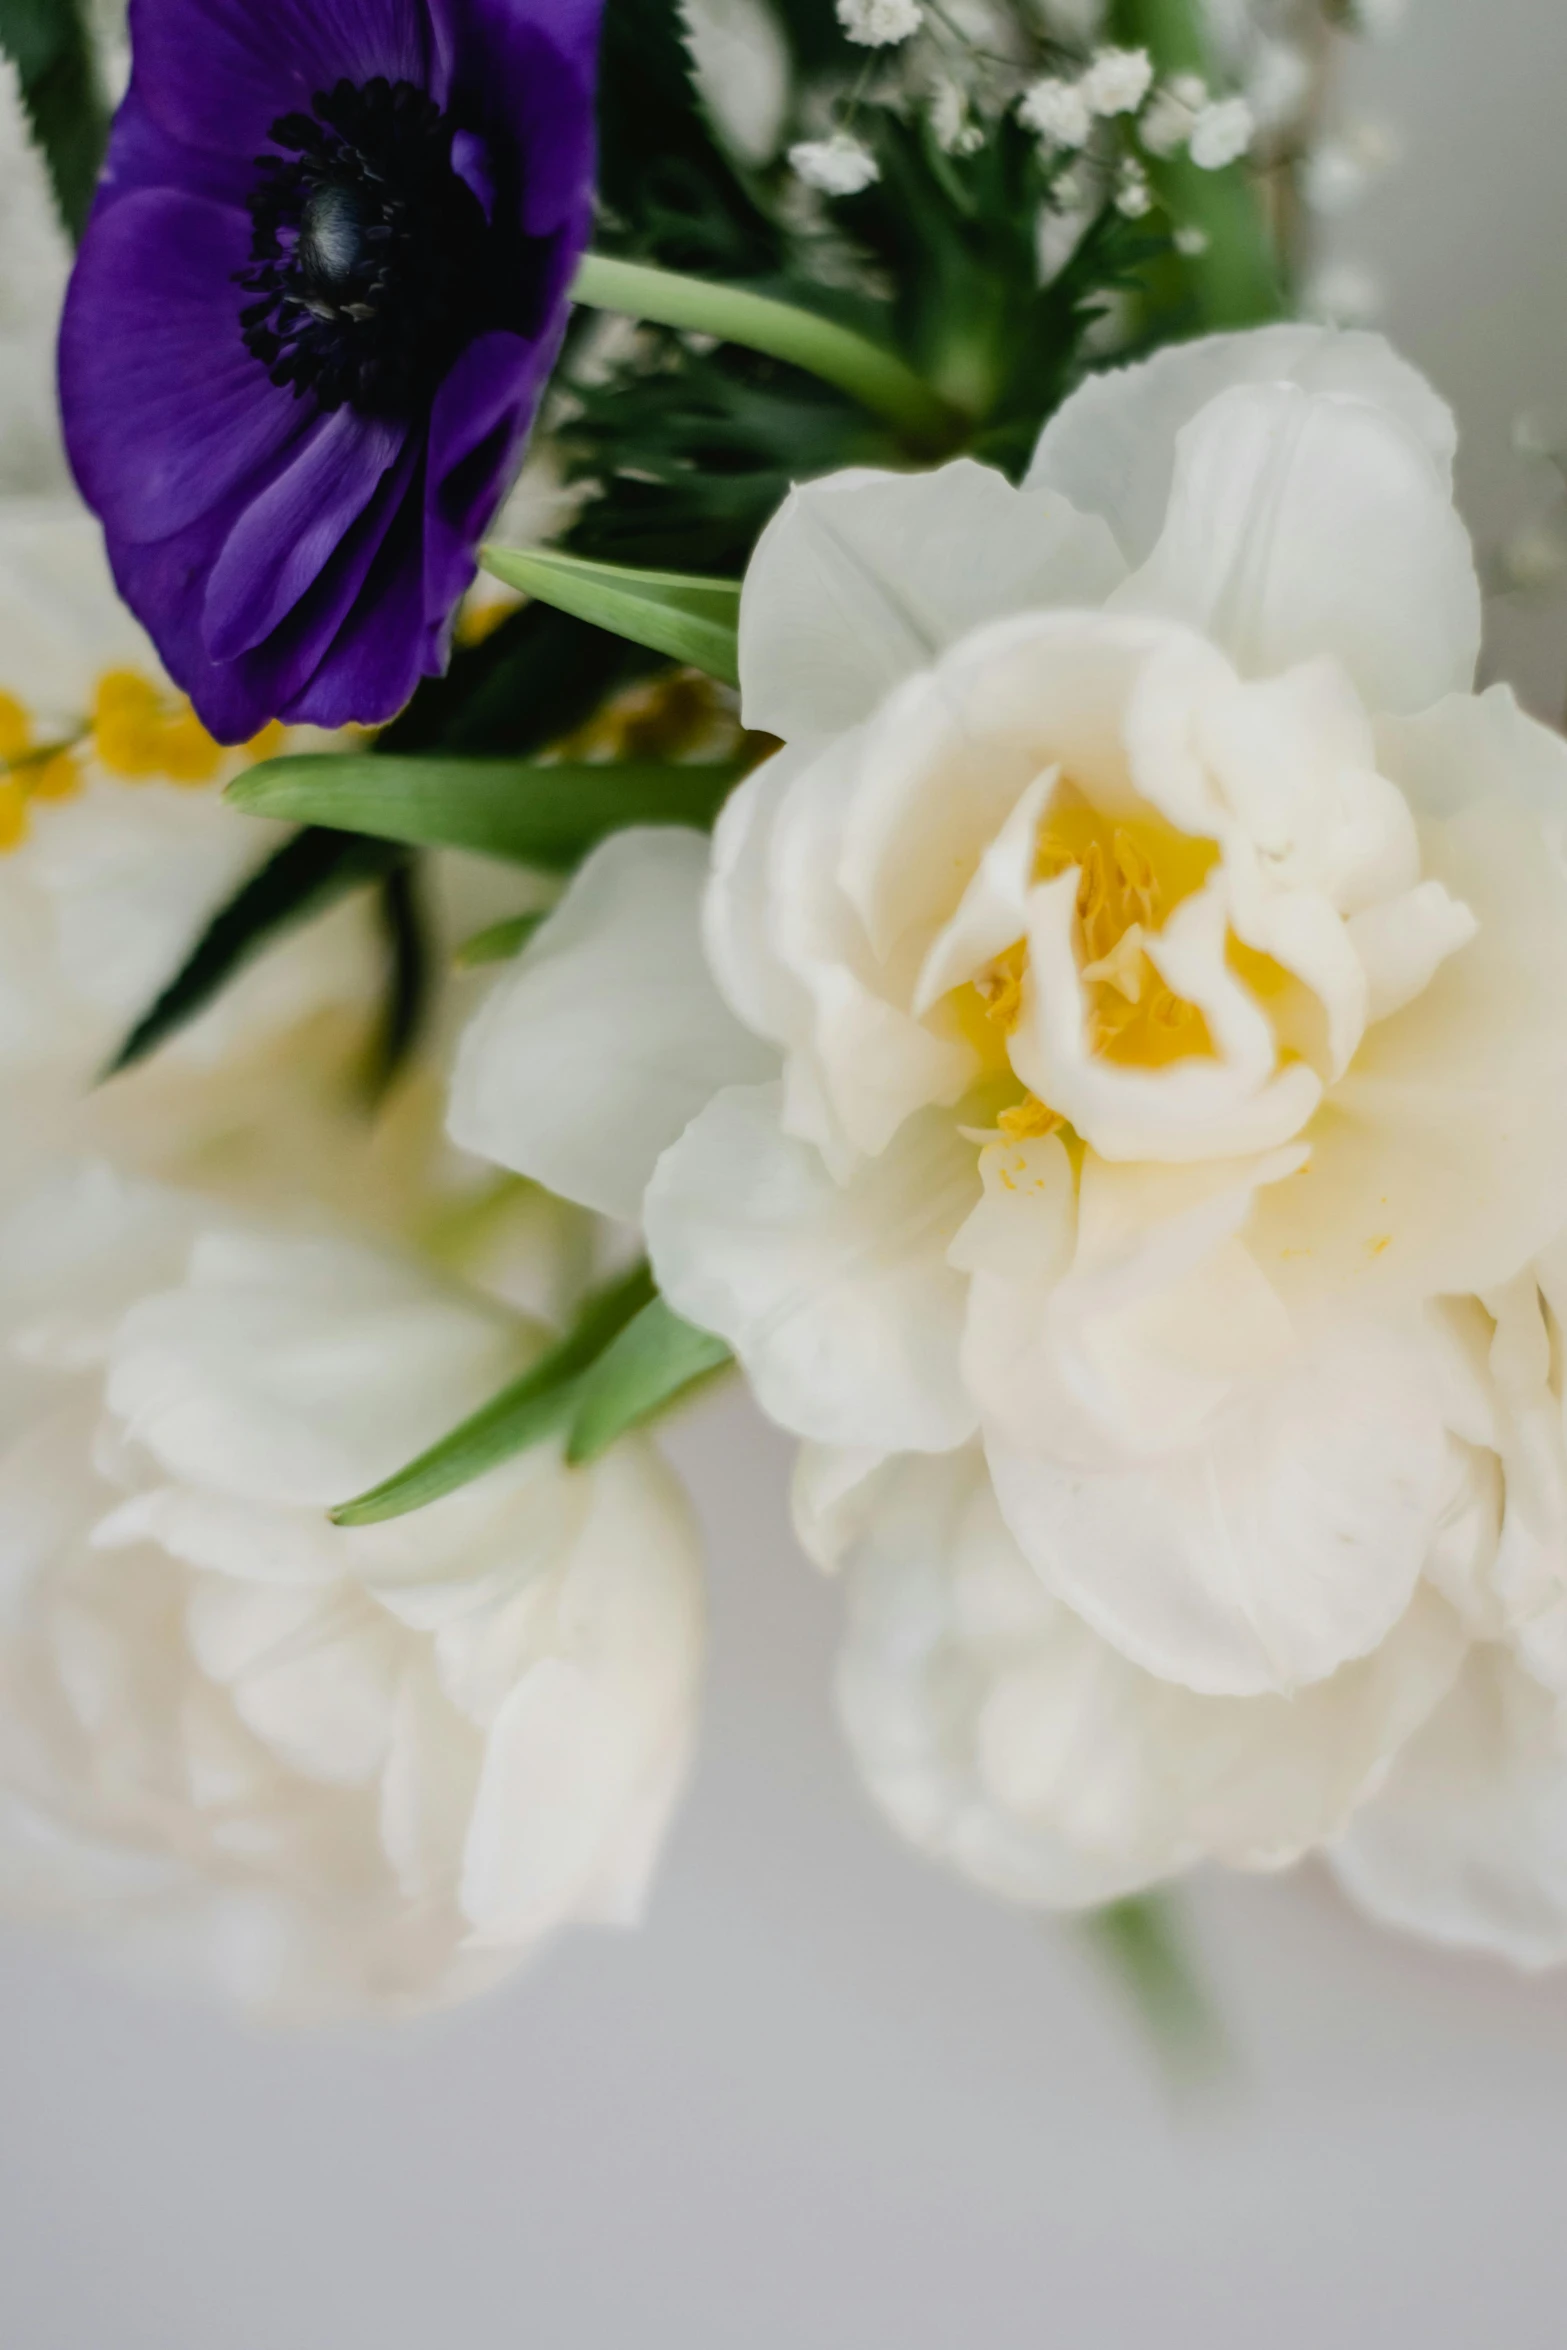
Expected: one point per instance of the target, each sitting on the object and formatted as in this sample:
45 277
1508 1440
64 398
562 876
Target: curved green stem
875 377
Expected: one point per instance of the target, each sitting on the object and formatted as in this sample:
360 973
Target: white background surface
827 2097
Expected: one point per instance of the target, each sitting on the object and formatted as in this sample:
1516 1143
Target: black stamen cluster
371 259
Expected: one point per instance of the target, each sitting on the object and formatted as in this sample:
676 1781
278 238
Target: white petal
1284 1543
297 1372
608 1034
1111 447
862 579
1439 1160
1124 1349
838 1300
1467 1843
1303 525
1002 1736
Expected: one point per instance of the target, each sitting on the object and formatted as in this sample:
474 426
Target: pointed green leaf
695 620
654 1359
307 874
50 43
498 943
532 1407
547 816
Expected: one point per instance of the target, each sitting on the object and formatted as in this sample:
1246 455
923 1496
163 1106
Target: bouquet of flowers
753 688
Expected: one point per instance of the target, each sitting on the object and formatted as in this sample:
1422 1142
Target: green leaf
499 942
305 876
532 1407
408 977
50 44
654 1359
695 620
548 816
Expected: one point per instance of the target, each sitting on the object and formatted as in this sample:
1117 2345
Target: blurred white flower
1140 994
1278 84
1171 115
1221 134
1343 292
837 166
1117 81
879 24
1057 112
1338 171
321 1770
741 66
1133 196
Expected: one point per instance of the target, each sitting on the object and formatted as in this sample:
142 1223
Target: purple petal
527 69
164 583
141 155
284 538
383 649
166 413
217 73
477 430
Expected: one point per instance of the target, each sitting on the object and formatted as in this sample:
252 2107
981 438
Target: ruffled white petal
862 579
1439 1160
608 1034
1467 1842
1301 525
1002 1737
838 1299
1287 1540
1110 448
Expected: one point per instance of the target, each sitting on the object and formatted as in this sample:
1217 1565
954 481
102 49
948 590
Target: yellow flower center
1130 878
134 729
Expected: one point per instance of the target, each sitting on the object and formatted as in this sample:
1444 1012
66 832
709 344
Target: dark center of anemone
372 261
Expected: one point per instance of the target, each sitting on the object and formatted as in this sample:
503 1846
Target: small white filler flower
837 166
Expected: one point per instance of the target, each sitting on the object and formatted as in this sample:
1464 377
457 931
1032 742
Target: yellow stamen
13 813
55 778
16 730
1028 1118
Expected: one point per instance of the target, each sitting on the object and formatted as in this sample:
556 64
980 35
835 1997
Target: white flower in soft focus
740 63
1117 81
1141 994
1344 293
879 24
1171 114
1221 134
1278 84
115 844
1057 112
1133 195
1003 1737
323 1770
839 166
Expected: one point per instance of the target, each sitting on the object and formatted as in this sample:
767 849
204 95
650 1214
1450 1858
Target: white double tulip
322 1770
1134 995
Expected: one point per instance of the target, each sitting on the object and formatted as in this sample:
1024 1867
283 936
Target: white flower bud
839 166
879 24
1221 134
1057 112
1117 81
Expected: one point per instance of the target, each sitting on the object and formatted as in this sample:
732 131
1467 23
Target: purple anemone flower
323 284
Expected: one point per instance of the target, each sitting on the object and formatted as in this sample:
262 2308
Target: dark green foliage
62 90
408 975
305 876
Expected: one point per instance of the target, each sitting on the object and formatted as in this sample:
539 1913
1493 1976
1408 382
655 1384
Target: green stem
1236 277
875 377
